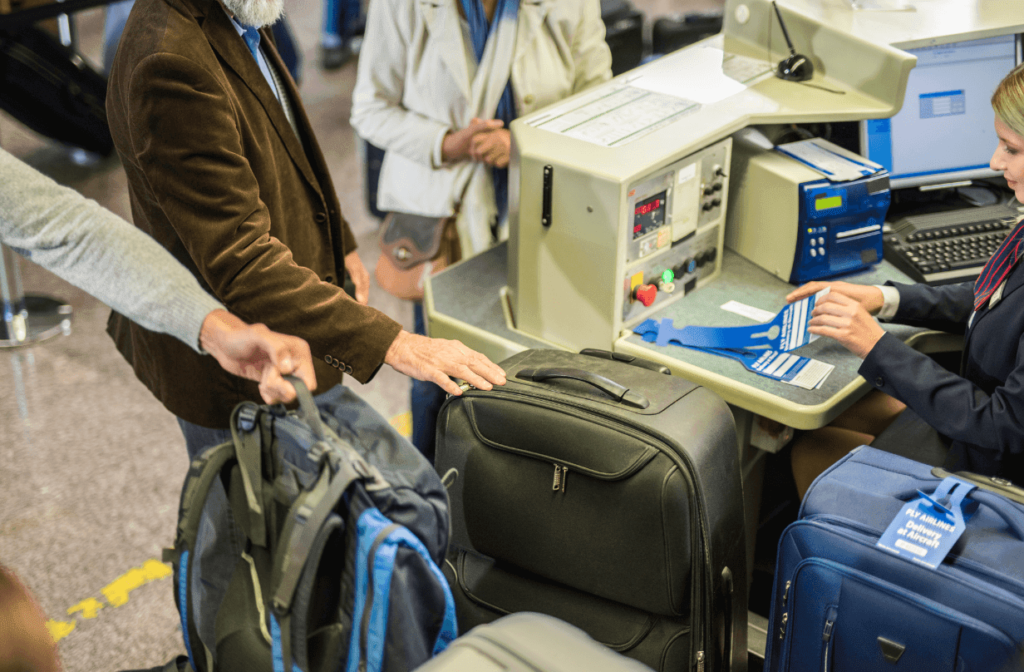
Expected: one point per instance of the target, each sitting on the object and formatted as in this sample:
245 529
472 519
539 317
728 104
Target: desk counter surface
466 302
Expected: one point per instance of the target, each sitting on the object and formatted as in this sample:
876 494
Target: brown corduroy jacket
217 176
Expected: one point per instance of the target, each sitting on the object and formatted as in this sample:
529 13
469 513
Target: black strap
245 430
296 540
304 592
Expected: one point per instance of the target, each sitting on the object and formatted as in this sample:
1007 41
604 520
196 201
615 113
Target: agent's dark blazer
982 409
217 175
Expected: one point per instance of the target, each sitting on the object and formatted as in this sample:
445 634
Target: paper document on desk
618 117
695 74
832 161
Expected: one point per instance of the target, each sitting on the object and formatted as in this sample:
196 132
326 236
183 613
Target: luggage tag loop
926 528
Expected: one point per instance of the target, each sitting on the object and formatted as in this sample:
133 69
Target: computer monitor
944 133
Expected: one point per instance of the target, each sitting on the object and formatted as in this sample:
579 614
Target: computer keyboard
948 247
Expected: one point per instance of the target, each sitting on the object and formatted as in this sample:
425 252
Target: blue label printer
790 220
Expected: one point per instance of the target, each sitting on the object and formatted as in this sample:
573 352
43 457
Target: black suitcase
603 494
675 32
624 33
52 90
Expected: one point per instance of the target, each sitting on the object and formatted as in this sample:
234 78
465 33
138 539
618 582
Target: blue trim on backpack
371 522
276 650
183 602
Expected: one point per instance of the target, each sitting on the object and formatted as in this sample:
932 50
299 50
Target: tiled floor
94 464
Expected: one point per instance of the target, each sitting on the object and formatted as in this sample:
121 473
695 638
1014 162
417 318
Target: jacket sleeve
945 308
590 52
378 114
953 405
97 251
186 143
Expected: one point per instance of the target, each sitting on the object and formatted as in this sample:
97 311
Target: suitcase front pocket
580 501
843 620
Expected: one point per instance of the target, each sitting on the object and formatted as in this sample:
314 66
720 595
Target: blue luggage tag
799 371
788 331
927 527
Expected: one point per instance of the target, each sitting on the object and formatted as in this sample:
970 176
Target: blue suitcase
842 603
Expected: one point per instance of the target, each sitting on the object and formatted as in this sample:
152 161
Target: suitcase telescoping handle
994 501
619 393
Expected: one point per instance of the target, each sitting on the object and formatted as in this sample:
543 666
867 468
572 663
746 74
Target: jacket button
879 381
328 359
320 218
348 370
528 99
329 278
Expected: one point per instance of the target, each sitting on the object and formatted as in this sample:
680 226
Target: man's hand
435 359
457 145
868 296
360 277
492 147
259 354
843 318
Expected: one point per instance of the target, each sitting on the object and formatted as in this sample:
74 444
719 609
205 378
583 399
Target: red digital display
649 215
644 208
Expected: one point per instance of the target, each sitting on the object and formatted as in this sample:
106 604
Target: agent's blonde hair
1008 100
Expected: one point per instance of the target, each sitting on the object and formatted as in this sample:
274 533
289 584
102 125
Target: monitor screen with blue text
944 132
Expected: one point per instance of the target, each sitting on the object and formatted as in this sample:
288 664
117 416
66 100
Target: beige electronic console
613 250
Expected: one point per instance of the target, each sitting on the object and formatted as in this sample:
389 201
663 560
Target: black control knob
706 207
718 171
716 202
708 191
717 186
712 254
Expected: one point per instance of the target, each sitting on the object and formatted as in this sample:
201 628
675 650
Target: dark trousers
426 401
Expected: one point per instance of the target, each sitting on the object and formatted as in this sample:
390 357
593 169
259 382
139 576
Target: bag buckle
247 418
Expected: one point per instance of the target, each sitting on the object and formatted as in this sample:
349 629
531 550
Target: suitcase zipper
700 661
561 477
826 635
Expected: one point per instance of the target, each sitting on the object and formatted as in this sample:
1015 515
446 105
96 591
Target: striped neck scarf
479 31
999 266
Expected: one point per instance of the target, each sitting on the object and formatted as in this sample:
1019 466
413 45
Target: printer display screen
649 215
828 202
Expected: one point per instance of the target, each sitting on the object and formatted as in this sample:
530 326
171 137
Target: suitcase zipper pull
557 484
565 478
826 635
785 593
782 628
700 661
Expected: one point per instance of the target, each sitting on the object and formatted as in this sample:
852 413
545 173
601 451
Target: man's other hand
360 277
257 353
435 359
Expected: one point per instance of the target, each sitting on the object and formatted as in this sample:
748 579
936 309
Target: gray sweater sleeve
94 249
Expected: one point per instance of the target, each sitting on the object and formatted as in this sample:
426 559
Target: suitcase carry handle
618 392
626 359
995 502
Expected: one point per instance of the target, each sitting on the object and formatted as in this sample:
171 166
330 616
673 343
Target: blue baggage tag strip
761 348
927 527
792 369
787 331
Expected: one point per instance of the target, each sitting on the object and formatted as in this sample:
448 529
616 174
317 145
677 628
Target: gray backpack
312 541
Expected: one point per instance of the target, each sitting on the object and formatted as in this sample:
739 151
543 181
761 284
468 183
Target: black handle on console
614 390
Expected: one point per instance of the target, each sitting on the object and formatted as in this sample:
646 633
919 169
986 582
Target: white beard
255 13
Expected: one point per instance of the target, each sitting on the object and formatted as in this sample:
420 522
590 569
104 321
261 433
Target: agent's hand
845 319
257 353
457 145
492 147
435 359
868 296
360 277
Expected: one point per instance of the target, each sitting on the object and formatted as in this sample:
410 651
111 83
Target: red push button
645 294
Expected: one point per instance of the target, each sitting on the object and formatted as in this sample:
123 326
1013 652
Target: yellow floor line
114 593
403 423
